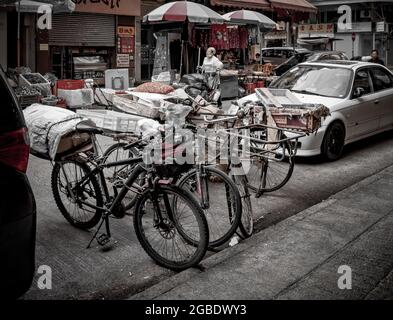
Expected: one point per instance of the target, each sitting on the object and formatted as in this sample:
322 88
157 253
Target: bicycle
201 180
163 211
258 148
272 161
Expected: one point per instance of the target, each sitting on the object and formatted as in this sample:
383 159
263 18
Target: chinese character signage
123 60
125 31
312 29
117 7
126 41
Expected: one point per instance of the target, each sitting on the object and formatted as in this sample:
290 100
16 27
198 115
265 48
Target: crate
69 85
25 101
111 120
298 117
42 85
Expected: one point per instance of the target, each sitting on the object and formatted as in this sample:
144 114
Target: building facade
96 36
371 28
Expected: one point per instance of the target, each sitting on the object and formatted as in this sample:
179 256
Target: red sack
154 87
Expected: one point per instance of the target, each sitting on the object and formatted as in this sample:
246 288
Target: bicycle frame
128 185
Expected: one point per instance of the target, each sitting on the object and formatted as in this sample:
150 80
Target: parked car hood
327 101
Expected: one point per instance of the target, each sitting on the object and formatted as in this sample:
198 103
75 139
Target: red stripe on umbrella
238 15
178 12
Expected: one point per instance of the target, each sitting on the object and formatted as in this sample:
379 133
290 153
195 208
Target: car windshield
317 80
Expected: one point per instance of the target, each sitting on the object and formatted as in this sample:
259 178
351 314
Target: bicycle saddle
85 128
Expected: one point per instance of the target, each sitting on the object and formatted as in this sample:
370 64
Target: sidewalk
299 258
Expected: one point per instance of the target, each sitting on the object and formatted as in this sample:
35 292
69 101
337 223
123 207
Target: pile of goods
26 91
27 95
37 81
52 131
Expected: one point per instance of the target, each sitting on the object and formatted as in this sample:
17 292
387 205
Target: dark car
17 204
309 56
278 55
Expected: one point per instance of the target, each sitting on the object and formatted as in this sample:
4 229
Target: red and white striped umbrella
250 17
183 10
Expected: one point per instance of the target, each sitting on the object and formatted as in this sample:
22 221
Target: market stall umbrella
184 10
250 17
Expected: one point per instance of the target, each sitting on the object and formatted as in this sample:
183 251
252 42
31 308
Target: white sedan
358 94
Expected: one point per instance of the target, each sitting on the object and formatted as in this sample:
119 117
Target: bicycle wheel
66 181
161 220
223 210
271 172
246 225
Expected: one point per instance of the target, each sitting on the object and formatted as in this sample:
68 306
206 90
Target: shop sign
115 7
44 47
126 31
380 26
123 60
275 35
126 41
324 29
91 74
357 27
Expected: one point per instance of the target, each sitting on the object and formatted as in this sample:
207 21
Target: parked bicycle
217 193
168 221
260 152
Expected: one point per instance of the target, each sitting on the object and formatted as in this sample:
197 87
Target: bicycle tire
203 231
276 175
56 190
246 224
220 232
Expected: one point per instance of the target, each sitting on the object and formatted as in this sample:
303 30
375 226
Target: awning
321 3
243 4
295 5
28 6
31 6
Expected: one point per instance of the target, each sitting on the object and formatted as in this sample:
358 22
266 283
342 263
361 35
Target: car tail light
14 149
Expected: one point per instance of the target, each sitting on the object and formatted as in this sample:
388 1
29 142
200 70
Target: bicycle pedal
103 239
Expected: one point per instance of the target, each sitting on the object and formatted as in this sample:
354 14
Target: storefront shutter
82 29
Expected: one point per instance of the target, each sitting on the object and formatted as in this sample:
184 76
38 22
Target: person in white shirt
211 63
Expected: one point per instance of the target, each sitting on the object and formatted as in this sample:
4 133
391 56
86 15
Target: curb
258 238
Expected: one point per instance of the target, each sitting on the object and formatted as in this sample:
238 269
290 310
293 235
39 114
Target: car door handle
376 101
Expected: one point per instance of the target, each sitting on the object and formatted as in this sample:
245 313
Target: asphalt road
80 273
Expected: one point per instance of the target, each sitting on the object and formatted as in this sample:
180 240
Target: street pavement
341 248
80 273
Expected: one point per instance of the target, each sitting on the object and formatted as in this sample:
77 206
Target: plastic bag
192 78
175 114
154 87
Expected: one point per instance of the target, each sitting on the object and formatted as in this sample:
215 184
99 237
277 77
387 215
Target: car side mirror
358 92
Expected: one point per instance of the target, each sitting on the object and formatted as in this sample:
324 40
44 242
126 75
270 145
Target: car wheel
333 142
